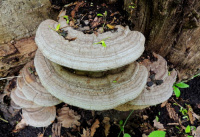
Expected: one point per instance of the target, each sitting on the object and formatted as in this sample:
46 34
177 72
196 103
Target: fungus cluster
88 75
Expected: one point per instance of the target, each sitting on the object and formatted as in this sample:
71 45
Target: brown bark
14 56
19 19
171 28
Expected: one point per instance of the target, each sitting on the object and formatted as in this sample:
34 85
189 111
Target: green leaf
105 13
189 136
66 17
103 43
157 118
182 85
99 15
114 81
121 122
188 129
177 92
57 27
157 134
121 128
196 75
126 135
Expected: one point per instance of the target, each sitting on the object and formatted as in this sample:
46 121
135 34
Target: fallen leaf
86 133
79 4
157 124
190 111
106 122
145 117
110 26
40 135
197 132
163 104
94 127
68 118
172 113
56 130
21 125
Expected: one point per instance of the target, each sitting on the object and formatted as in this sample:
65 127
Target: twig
9 77
125 122
3 119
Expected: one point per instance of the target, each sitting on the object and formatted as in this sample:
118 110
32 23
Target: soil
140 122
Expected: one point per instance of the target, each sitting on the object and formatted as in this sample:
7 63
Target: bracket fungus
39 117
33 89
100 94
36 102
89 76
154 94
123 47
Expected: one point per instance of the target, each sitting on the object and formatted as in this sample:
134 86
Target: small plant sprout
176 87
57 28
102 42
122 125
188 129
67 18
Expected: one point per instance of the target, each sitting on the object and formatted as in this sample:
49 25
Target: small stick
9 77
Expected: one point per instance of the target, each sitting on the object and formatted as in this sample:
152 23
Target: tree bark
19 19
171 28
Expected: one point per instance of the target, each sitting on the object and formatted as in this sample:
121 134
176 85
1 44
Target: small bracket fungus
100 94
33 89
20 100
123 47
39 117
156 93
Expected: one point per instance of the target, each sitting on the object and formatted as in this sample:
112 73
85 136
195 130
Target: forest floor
173 116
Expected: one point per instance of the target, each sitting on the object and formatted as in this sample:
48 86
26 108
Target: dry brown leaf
86 133
79 4
40 135
197 132
21 125
145 117
94 127
157 124
68 118
110 26
56 130
171 112
163 104
190 111
106 122
196 116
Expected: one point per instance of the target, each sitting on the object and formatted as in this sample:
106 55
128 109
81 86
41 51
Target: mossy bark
171 28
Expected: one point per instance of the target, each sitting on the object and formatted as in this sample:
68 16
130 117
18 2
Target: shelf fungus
33 89
39 117
123 47
91 93
36 102
161 89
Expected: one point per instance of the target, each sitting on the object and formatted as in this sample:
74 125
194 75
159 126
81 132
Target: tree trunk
171 28
19 19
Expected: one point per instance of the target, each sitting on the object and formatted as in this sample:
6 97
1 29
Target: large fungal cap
100 94
19 99
123 47
39 117
33 89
